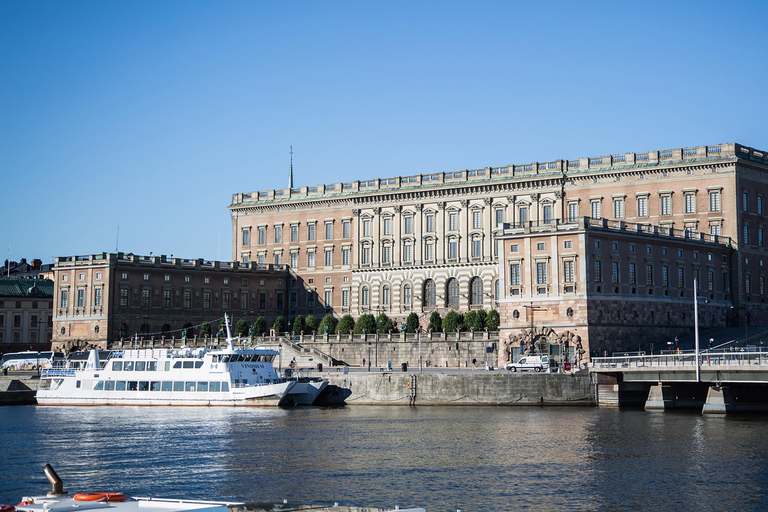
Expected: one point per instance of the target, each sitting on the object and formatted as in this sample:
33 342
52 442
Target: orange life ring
100 496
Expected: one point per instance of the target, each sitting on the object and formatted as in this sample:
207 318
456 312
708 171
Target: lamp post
280 358
696 328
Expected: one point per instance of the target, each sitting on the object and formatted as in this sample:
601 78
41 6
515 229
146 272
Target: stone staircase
305 357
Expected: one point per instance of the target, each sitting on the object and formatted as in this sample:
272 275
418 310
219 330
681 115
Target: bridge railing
687 359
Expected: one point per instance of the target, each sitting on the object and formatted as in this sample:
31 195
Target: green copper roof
42 288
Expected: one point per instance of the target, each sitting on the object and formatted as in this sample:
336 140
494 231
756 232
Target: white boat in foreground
230 376
59 501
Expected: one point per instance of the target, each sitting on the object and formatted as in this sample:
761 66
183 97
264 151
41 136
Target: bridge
714 382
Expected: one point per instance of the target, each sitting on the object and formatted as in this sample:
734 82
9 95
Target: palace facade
604 249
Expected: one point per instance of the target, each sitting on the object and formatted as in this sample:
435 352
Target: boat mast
229 334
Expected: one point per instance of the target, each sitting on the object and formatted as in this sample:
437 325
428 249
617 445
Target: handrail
684 359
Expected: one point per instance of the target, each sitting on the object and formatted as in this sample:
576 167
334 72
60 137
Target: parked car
535 363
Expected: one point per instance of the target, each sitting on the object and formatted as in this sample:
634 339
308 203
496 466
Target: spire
290 174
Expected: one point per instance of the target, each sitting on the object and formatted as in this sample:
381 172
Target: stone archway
536 341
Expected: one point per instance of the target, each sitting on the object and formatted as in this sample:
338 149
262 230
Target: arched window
407 294
385 295
365 296
476 292
453 293
122 331
429 294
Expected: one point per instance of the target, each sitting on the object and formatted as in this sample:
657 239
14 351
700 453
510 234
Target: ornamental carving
535 196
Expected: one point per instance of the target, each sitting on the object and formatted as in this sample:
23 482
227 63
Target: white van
535 363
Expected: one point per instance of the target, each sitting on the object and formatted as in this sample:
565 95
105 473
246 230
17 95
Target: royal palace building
605 249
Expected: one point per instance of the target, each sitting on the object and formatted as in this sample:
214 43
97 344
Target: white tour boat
60 501
230 376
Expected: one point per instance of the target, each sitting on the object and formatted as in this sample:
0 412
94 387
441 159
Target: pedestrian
474 363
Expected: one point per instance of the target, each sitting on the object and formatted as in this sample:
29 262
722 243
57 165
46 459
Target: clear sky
149 115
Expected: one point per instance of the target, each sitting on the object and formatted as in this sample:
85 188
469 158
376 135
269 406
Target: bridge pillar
656 400
717 402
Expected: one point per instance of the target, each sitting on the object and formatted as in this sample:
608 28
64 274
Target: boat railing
58 372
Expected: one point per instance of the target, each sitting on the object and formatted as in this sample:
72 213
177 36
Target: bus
30 360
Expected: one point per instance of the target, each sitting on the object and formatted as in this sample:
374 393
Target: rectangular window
366 256
145 297
598 271
278 258
262 300
244 300
632 273
499 217
97 296
547 214
225 300
345 229
711 280
666 205
541 272
430 224
329 230
80 298
642 206
408 225
345 256
680 277
690 203
293 300
568 274
328 257
745 201
262 235
649 274
386 254
408 253
760 237
187 299
387 226
166 298
714 201
429 251
746 235
477 220
311 232
278 234
345 298
367 227
294 233
514 274
453 250
618 208
453 221
596 210
294 259
759 205
476 249
614 272
573 212
714 229
665 276
523 215
246 237
328 298
206 299
310 258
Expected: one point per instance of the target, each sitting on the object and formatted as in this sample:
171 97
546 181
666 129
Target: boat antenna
290 173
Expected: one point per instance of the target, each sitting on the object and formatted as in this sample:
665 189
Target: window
408 253
246 237
746 235
760 237
166 298
367 227
714 201
429 294
187 299
476 249
714 229
666 205
453 250
541 272
278 234
328 257
365 296
569 276
429 252
294 233
262 235
97 296
385 295
573 212
540 246
690 231
407 294
499 217
294 259
430 223
596 210
329 230
476 292
453 292
690 203
65 277
649 274
476 219
278 258
759 206
345 256
81 298
81 277
328 296
523 215
453 221
387 226
386 254
632 273
310 258
311 232
598 271
642 206
64 299
680 277
514 248
618 208
711 280
345 298
206 299
547 213
225 300
614 272
145 297
408 225
98 275
345 229
568 244
514 274
745 201
665 275
146 277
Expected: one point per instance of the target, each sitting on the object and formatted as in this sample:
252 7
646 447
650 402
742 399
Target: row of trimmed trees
453 321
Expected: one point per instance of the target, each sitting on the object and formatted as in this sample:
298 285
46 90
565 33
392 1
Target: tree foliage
187 331
346 324
452 321
311 323
492 321
241 327
299 324
435 322
412 322
474 320
328 324
259 327
279 324
384 324
205 330
366 322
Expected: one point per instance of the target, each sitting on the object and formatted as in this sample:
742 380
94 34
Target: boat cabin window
225 386
167 385
99 385
143 386
154 386
120 385
189 386
168 366
198 364
140 365
178 385
151 366
128 366
177 364
109 385
202 386
133 385
188 364
215 387
117 366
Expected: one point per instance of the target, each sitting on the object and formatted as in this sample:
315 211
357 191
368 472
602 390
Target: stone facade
25 314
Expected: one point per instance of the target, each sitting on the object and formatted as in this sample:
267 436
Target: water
442 458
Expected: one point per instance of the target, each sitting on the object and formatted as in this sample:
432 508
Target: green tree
346 324
298 324
492 321
474 320
384 323
259 327
241 327
367 322
412 322
435 322
452 321
328 325
311 324
205 330
279 324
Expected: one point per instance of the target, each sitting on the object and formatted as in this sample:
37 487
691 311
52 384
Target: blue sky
151 114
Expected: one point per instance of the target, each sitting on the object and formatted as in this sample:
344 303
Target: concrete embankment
465 388
18 389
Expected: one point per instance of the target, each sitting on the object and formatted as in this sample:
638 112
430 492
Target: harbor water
441 458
